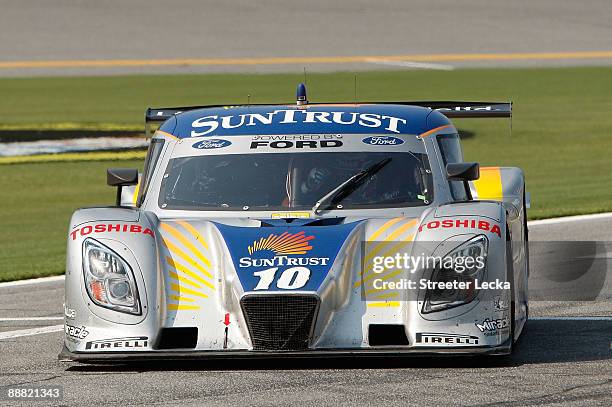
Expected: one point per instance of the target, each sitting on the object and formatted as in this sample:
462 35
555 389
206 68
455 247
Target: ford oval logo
211 143
383 141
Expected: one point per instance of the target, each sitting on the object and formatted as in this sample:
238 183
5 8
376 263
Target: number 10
290 279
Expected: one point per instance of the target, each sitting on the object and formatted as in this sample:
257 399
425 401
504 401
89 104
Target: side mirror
120 177
463 172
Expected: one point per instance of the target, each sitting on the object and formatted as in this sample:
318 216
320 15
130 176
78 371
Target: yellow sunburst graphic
189 268
286 243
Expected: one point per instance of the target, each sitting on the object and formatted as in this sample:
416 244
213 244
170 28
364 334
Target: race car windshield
295 180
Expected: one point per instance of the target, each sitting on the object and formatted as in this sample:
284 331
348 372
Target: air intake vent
178 338
387 335
280 322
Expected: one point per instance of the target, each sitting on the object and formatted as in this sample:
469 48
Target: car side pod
120 177
463 172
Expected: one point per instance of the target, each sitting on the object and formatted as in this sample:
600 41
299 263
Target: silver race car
303 230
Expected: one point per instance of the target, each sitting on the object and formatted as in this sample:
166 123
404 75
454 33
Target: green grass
562 136
37 202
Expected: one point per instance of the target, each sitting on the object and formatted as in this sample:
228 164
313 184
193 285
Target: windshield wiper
347 187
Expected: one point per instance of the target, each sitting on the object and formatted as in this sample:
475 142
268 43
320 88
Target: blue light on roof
301 95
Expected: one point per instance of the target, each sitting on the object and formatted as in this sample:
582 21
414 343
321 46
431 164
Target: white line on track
570 219
27 319
578 318
411 64
29 332
32 281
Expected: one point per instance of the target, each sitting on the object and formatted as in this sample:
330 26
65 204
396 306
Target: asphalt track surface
66 37
563 358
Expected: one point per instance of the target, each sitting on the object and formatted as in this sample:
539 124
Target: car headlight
109 279
464 264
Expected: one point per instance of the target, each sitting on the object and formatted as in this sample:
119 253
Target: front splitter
147 356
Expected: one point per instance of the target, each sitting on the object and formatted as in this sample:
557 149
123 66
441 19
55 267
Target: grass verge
37 203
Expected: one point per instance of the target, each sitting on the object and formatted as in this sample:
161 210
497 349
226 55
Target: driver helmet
316 178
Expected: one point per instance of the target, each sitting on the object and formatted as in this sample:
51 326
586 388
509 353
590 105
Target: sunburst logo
286 243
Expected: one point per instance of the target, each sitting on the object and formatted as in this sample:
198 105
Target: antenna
305 81
355 87
249 99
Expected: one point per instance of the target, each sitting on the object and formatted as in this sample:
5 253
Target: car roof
309 119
